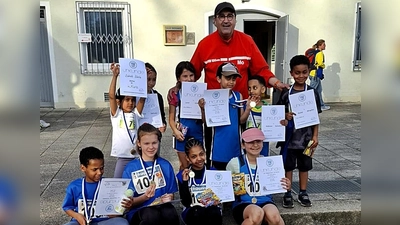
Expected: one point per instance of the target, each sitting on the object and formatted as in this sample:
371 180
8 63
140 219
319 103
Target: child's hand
284 122
216 202
162 129
178 135
314 144
252 98
285 182
150 191
185 174
166 198
201 103
127 203
115 69
81 219
289 115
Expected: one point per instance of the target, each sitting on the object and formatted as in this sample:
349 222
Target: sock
289 192
302 192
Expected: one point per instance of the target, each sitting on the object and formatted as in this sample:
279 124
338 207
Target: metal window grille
109 26
357 40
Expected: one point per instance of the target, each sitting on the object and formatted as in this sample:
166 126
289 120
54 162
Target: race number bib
130 122
141 181
252 191
81 208
196 191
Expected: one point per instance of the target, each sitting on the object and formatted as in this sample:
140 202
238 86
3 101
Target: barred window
108 24
357 40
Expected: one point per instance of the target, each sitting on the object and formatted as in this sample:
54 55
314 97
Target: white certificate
133 77
270 171
216 107
191 93
220 183
151 111
271 115
304 106
111 193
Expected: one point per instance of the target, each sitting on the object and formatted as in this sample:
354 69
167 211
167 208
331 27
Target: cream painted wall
330 20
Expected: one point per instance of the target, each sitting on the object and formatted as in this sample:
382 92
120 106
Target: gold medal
254 200
152 182
191 174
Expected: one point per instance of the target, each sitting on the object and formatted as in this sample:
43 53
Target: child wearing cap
252 207
226 139
124 113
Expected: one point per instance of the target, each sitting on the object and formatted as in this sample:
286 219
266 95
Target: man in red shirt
229 45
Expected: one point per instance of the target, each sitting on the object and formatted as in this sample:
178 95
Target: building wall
329 20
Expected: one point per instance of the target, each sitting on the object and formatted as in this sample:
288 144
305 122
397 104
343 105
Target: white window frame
356 64
123 7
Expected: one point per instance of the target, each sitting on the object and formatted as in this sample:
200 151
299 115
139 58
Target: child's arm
140 105
244 114
178 135
315 137
111 92
201 104
79 217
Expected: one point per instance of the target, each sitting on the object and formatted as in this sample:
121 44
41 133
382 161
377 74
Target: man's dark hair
89 153
299 60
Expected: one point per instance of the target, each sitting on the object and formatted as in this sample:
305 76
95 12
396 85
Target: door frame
46 6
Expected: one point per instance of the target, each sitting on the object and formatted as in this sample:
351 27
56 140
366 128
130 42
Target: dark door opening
263 34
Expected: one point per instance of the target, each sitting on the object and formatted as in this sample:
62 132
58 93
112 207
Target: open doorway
263 34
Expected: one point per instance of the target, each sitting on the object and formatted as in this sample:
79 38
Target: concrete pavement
334 183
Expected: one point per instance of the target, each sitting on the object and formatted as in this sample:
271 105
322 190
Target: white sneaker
325 107
44 124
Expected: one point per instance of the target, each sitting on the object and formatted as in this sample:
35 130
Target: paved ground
335 181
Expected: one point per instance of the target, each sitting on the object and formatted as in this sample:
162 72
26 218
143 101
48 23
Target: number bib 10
249 188
141 180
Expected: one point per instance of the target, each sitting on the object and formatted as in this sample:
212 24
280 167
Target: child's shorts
304 163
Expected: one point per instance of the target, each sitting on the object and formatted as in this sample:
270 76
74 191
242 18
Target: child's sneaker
304 200
288 201
44 124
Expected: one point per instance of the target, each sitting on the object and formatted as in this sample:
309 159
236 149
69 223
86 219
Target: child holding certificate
250 207
297 140
82 192
192 185
151 82
226 139
252 110
182 127
124 113
153 182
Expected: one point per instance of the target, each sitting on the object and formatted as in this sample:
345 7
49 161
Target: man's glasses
229 17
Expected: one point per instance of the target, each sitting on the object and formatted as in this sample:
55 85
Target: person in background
317 74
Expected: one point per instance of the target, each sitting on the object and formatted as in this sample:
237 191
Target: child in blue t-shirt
81 193
153 182
182 127
226 139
